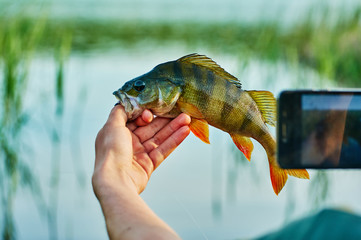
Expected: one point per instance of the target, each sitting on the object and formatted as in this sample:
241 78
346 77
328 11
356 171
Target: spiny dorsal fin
204 61
267 104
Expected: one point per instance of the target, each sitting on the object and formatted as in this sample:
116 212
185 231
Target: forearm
126 154
127 216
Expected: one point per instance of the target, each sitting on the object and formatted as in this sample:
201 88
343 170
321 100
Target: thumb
117 117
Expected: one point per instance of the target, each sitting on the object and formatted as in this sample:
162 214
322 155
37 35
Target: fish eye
139 85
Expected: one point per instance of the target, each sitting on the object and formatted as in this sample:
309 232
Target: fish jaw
131 104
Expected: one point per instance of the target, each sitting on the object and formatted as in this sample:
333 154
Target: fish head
154 91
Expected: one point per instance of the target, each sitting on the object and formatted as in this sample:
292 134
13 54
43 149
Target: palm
153 143
135 148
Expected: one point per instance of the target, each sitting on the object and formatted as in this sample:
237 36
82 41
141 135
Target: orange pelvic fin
244 144
278 178
300 173
190 109
200 128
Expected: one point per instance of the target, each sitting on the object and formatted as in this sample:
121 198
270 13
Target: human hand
128 153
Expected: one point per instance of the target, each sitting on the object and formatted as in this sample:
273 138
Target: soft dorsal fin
204 61
267 104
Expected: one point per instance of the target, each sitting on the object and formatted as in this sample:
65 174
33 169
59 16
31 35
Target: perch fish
196 85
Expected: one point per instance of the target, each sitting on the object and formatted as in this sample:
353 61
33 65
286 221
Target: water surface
201 190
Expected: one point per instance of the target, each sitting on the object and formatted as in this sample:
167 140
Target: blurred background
60 61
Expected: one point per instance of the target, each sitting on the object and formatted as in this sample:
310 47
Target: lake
202 191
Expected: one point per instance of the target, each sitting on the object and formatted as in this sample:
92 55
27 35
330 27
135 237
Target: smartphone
319 129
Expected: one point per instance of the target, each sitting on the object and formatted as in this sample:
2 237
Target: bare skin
126 156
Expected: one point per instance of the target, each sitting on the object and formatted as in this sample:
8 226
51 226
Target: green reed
61 53
17 45
19 41
328 45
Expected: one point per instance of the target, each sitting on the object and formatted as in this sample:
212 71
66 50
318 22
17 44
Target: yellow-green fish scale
222 103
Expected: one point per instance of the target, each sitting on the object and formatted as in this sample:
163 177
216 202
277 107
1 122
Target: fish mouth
130 104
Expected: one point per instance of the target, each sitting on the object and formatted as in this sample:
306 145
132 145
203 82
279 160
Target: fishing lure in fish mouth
196 85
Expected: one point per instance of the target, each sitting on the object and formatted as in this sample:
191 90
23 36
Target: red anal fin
199 127
244 144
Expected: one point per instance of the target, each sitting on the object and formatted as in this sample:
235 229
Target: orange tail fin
300 173
278 177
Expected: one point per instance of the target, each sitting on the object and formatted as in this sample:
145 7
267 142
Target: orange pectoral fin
190 109
199 127
244 144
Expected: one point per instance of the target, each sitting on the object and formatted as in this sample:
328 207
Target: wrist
127 216
110 180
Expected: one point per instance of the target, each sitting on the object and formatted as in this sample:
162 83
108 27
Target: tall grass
61 52
17 45
19 40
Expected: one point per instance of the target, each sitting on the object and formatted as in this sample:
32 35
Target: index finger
144 119
155 135
159 154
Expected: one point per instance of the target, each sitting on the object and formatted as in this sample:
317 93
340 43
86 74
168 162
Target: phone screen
319 129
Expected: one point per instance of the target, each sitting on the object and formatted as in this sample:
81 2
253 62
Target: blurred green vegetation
331 47
16 49
20 39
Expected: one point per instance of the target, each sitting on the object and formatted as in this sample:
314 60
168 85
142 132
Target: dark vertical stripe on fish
210 84
237 111
200 85
246 122
249 123
177 71
228 100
